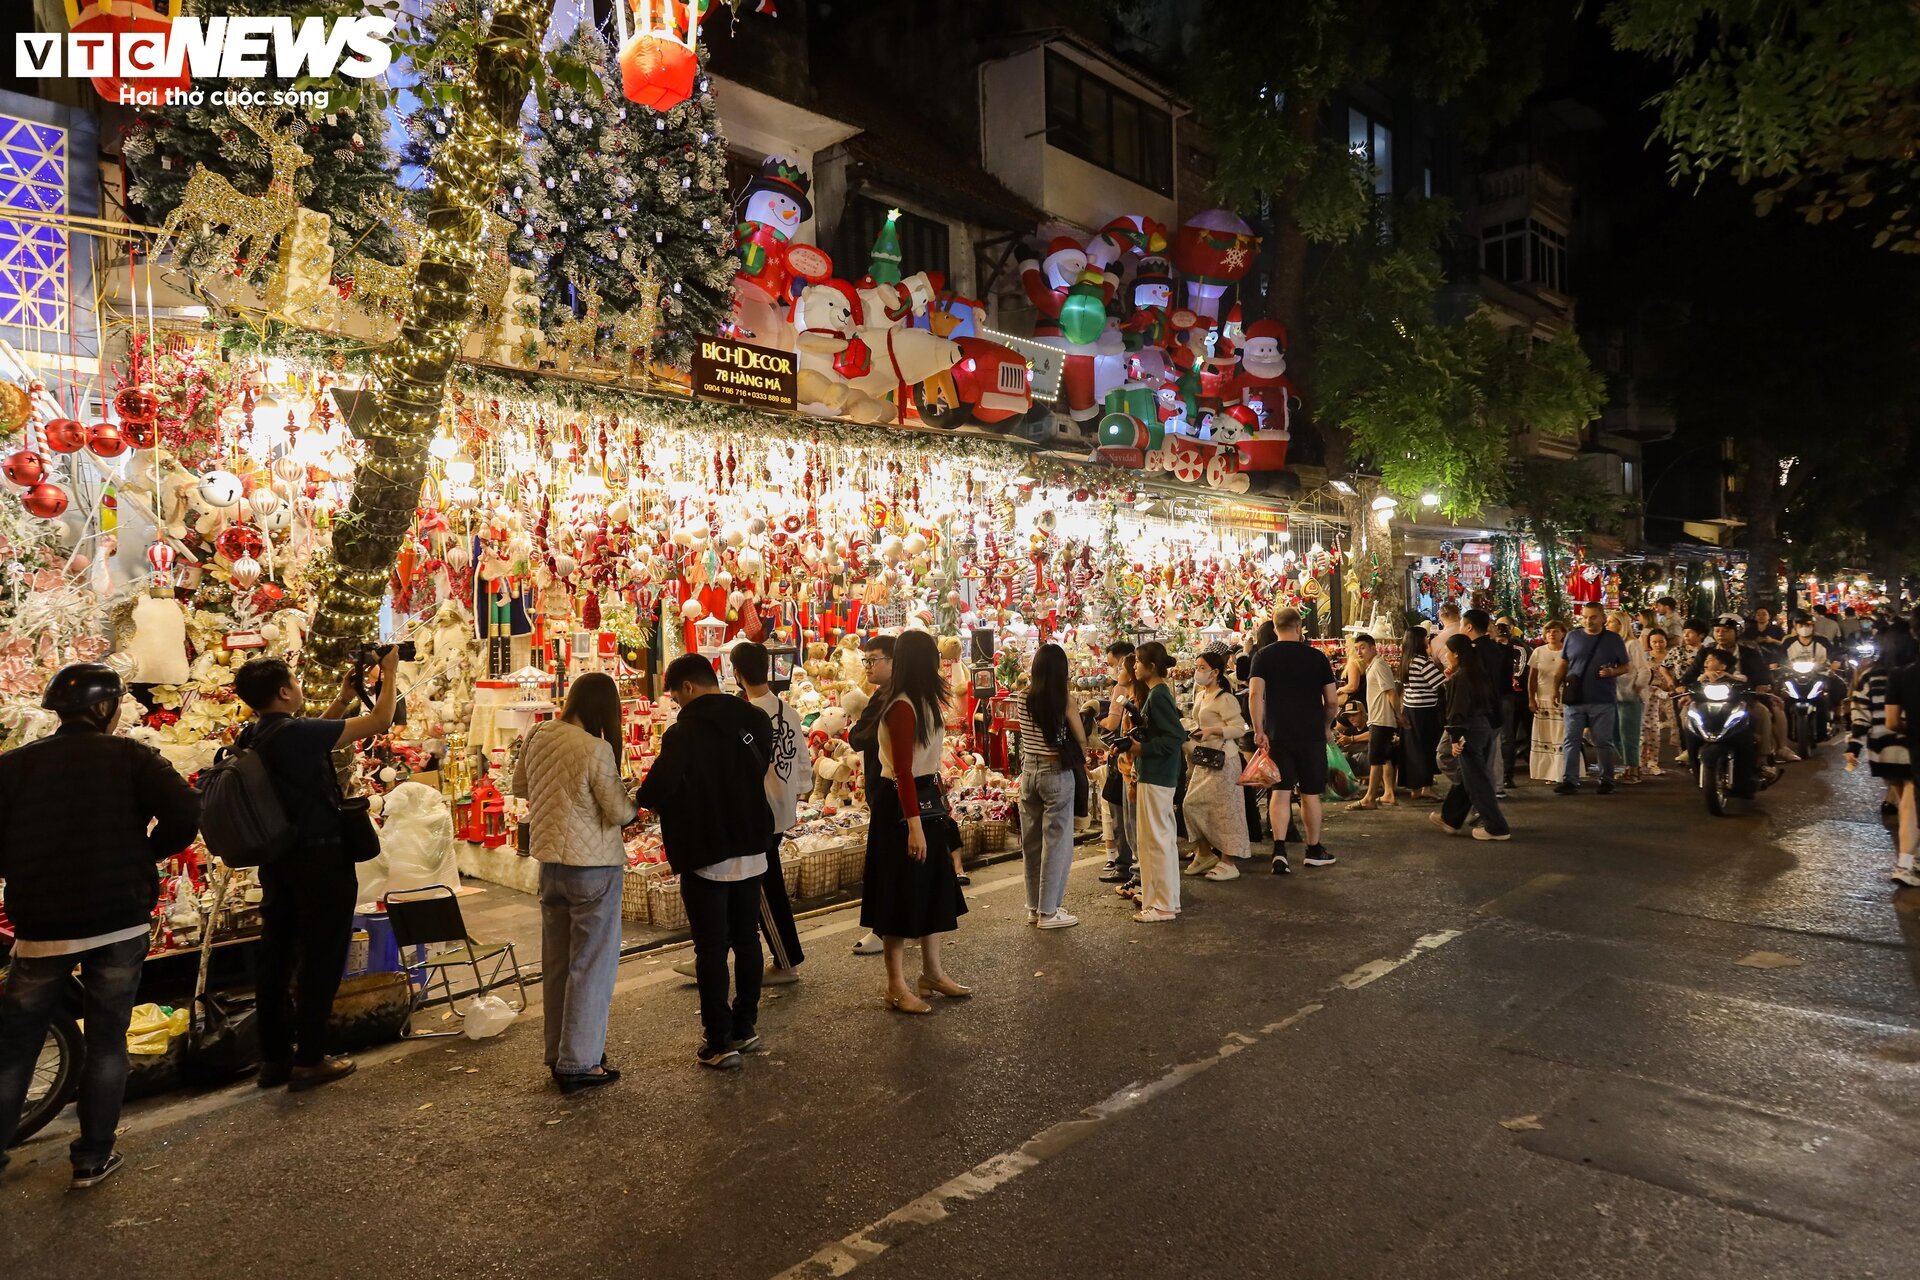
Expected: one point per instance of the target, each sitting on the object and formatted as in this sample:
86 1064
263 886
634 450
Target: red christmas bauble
106 440
136 404
657 71
25 468
141 435
238 540
64 435
44 500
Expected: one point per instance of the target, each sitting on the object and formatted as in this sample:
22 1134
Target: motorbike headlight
1718 692
1803 667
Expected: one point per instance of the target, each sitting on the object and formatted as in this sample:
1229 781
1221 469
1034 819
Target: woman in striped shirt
1420 681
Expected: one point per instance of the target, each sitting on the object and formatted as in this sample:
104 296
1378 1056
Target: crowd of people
1264 739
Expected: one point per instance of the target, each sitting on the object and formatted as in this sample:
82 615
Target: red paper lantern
25 468
64 435
44 500
136 404
106 440
657 70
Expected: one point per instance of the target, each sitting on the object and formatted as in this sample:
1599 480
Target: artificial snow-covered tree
351 166
441 69
613 192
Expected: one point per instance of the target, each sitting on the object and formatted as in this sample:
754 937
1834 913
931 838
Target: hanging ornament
657 64
106 440
16 407
160 560
141 435
64 435
264 502
289 469
47 501
220 490
25 468
245 572
137 404
238 541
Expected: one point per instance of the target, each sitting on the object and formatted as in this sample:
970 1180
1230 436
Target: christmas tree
614 192
883 262
351 165
442 70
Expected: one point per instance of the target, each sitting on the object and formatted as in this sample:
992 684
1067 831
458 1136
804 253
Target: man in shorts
1381 691
1295 699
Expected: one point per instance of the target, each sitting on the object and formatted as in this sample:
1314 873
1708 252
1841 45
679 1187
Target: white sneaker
1058 920
1224 870
1033 915
869 946
1908 876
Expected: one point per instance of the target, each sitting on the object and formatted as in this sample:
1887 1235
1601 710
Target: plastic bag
1261 771
152 1026
488 1016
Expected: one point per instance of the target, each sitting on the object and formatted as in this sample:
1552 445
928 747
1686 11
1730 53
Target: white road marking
845 1254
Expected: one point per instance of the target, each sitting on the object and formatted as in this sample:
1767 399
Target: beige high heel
907 1004
944 986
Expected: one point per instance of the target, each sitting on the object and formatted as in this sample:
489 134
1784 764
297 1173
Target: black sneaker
1113 875
1605 789
718 1058
964 879
1501 794
749 1043
94 1175
1566 789
1317 856
1281 866
1109 864
572 1083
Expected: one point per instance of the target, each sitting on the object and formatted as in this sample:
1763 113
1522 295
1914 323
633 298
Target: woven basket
664 905
790 872
851 860
996 836
819 873
971 835
633 892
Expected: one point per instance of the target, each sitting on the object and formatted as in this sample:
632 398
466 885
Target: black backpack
242 818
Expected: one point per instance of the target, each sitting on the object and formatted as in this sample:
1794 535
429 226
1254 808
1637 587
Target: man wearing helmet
81 886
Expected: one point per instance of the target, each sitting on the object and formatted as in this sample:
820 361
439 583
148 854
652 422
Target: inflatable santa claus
1262 386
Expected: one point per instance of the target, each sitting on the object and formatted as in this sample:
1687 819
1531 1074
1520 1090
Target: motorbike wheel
1718 784
1809 736
55 1080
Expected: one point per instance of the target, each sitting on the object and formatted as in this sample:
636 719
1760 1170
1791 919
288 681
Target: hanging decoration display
657 42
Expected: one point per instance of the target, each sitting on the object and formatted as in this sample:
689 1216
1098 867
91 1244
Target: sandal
1152 916
1362 804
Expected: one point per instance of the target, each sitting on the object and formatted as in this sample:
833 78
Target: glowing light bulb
460 469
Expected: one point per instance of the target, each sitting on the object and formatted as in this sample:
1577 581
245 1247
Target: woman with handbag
1546 758
569 774
912 883
1420 681
1052 744
1215 812
1161 737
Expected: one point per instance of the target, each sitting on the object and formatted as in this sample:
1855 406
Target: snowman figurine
778 200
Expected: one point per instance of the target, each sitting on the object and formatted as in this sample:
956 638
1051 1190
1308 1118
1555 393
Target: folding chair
429 918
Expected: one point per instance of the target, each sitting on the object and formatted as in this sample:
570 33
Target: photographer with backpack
80 862
310 887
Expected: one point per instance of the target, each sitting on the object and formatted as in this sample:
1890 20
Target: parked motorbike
1809 718
1720 718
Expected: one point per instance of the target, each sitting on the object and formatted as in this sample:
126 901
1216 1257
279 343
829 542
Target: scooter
1720 718
56 1072
1807 713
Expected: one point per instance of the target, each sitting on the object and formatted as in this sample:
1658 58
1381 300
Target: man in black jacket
708 788
81 885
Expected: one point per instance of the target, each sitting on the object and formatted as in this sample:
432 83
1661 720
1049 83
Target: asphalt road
1437 1058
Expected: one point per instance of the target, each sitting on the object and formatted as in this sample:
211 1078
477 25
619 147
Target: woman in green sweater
1157 773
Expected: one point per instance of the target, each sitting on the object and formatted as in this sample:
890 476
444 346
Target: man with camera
308 891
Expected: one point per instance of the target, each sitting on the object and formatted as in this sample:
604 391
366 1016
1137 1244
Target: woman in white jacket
569 774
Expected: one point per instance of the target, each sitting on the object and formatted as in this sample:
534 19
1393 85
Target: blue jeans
1579 717
1046 835
109 977
579 957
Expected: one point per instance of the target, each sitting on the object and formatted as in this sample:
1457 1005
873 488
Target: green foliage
1811 102
1435 404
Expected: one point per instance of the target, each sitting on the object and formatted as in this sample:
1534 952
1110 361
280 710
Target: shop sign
740 373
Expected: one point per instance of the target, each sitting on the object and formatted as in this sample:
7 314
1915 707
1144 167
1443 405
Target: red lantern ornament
137 404
141 435
129 18
47 501
658 64
106 440
25 468
64 435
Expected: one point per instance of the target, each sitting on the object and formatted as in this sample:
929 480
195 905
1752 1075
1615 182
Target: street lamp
1429 499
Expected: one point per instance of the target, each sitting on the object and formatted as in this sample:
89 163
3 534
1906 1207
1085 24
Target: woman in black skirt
913 862
1421 679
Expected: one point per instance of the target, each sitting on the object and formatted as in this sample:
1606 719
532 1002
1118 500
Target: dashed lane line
849 1252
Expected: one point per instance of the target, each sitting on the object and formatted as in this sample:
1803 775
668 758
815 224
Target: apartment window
923 241
1503 251
1549 257
1103 125
1374 140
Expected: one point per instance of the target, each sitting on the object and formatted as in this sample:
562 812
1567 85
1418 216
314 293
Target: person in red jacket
81 886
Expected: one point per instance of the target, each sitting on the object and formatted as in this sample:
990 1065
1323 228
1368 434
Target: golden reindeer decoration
577 336
381 288
252 222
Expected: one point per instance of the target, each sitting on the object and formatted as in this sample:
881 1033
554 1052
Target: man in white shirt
1667 613
1381 689
1826 626
1449 625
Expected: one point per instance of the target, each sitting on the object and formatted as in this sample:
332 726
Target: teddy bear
827 319
829 726
854 702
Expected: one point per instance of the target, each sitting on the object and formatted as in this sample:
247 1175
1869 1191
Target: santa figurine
1049 283
1263 387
